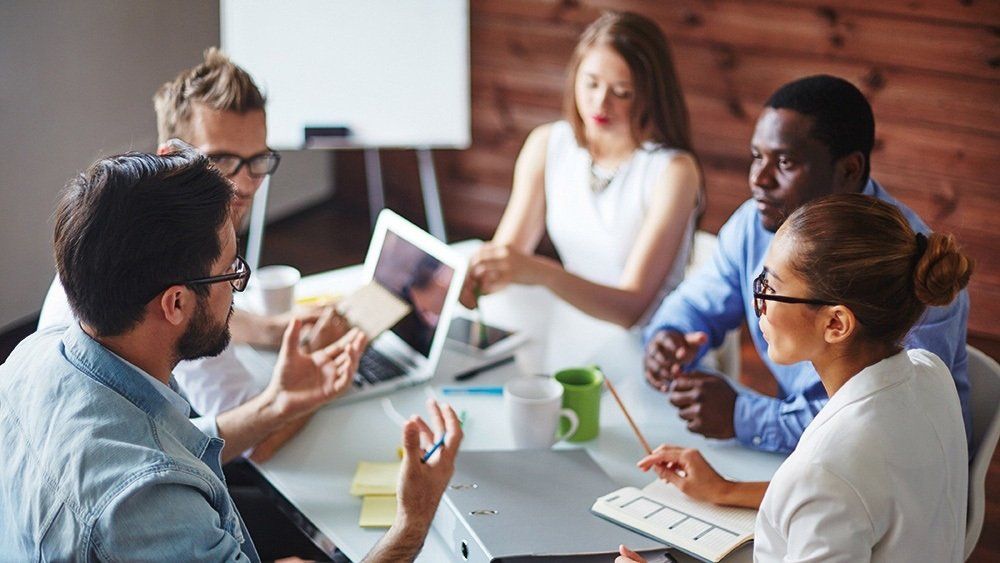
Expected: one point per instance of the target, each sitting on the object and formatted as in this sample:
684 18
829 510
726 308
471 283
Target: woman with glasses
881 472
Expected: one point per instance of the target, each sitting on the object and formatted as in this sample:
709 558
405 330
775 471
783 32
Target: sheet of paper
377 511
375 478
373 309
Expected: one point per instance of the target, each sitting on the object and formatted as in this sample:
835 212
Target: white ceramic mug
277 288
534 407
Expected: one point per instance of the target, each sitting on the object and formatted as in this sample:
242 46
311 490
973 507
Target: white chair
725 358
984 399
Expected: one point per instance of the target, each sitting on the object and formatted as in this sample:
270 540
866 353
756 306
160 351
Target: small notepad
375 478
373 308
377 511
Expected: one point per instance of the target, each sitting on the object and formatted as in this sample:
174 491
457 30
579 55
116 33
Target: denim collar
100 364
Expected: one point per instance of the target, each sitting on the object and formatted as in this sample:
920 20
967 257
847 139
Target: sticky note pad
375 478
377 511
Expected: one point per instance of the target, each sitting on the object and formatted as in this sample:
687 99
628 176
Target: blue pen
440 442
431 451
472 390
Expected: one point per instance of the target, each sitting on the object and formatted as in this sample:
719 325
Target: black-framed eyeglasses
761 296
258 165
238 277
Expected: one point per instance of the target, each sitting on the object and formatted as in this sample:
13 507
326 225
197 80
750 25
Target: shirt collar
881 375
169 393
103 366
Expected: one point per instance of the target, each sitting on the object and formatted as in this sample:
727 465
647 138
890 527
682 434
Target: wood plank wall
931 69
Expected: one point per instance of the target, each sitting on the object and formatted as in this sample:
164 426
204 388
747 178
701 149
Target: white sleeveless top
594 233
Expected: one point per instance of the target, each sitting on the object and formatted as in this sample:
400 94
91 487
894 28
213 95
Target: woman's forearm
623 307
745 494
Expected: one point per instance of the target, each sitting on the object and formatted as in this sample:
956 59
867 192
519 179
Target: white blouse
594 233
880 474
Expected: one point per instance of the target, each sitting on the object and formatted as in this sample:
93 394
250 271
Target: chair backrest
726 357
984 402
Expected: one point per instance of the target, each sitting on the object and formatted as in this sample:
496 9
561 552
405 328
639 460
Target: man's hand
707 402
304 381
267 331
666 354
329 327
687 470
420 484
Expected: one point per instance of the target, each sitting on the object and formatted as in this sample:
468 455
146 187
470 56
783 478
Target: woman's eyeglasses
761 296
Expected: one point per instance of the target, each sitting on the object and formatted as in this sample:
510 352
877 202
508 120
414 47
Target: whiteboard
395 72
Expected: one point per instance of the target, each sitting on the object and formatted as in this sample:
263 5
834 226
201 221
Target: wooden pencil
645 444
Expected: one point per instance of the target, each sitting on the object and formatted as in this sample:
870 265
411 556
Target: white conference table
314 470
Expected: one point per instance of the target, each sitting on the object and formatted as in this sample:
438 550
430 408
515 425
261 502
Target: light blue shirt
100 465
717 298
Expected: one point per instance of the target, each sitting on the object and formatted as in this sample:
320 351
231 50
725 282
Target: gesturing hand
303 381
422 484
707 402
329 327
666 354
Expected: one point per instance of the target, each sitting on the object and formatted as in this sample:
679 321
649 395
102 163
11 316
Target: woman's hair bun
942 271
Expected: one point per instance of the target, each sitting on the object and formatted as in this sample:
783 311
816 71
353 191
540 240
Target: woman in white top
881 472
615 185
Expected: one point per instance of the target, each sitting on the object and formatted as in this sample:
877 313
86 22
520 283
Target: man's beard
203 337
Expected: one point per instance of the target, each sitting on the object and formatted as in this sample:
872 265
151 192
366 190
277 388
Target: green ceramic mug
583 395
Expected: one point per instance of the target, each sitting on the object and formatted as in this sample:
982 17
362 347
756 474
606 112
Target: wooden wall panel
931 69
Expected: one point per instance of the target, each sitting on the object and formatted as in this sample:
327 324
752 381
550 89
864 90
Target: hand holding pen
428 464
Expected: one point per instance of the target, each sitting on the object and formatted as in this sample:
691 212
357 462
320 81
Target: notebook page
737 520
663 512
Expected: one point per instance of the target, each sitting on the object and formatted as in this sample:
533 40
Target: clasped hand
706 401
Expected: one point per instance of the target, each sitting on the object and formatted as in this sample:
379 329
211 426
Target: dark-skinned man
813 138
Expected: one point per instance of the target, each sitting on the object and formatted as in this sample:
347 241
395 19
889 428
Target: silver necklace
601 179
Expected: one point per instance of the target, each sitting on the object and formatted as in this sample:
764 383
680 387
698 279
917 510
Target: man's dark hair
131 225
843 119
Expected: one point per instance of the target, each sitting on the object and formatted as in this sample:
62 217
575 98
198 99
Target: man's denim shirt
98 465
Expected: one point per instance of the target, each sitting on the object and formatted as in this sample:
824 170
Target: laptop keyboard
375 367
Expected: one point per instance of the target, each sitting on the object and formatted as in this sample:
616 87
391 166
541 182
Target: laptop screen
419 279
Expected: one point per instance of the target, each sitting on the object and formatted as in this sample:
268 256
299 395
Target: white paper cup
534 407
277 288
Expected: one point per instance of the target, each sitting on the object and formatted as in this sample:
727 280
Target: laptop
426 274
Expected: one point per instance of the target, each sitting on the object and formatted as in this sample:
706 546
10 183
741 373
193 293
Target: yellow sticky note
377 511
318 300
375 478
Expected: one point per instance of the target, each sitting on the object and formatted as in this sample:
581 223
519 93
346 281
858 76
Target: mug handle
574 423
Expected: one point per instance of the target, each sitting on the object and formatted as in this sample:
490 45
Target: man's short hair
132 225
843 118
217 83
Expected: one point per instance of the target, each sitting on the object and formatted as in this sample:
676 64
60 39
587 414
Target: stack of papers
375 482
